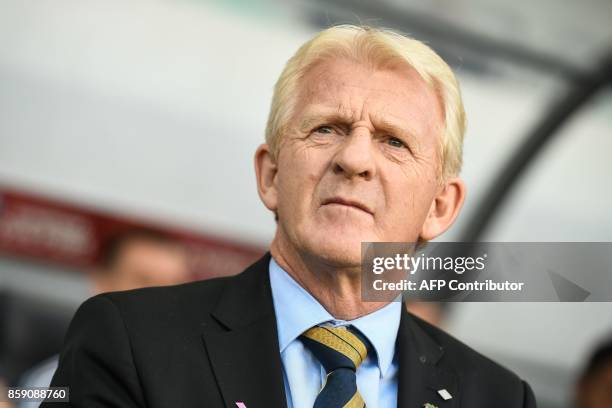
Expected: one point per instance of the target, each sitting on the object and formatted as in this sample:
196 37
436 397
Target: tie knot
335 347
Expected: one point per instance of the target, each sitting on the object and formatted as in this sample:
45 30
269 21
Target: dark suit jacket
214 343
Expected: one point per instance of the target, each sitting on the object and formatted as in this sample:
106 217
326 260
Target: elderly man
363 144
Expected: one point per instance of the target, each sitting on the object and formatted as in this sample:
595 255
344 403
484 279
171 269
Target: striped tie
340 351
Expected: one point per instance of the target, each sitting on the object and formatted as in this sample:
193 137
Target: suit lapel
421 372
244 354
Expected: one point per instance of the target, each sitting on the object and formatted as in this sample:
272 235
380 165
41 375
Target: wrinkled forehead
354 91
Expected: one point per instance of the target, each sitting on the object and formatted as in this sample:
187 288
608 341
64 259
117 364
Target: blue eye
324 129
395 142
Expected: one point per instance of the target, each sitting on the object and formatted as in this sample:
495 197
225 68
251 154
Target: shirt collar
297 311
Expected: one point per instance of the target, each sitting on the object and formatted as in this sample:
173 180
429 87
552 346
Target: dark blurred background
127 116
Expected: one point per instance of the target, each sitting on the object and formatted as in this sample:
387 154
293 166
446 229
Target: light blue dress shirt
303 375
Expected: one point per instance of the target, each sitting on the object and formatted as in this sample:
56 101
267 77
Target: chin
342 249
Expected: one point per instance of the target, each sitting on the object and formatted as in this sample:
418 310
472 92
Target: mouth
348 203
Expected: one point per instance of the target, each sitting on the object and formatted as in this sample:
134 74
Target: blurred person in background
594 388
3 393
139 258
130 259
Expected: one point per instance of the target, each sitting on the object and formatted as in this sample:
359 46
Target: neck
337 288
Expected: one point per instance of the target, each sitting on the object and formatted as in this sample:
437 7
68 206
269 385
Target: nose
355 157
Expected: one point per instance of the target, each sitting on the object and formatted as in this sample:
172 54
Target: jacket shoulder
197 291
168 306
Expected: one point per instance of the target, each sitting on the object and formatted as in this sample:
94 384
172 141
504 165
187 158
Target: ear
265 171
444 209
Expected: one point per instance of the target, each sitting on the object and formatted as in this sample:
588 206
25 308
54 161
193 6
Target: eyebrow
396 128
325 115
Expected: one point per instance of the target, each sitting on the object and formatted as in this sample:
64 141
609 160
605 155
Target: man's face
143 263
596 391
359 161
